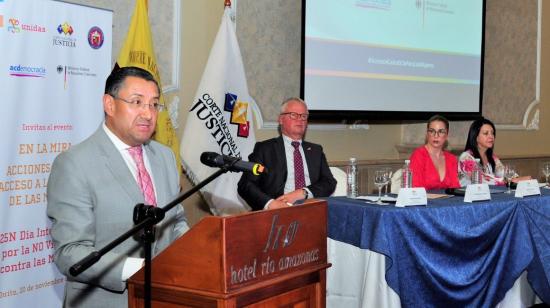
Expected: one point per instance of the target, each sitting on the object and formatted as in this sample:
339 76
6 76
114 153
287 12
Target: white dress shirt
131 265
289 155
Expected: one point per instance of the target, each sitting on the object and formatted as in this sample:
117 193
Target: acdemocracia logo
27 71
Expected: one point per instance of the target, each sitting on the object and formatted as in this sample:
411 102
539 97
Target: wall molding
174 84
531 115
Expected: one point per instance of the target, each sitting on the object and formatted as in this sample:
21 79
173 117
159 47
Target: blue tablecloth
451 253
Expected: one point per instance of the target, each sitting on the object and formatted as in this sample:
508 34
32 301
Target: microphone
213 159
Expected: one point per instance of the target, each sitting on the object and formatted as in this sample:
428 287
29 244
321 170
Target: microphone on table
235 164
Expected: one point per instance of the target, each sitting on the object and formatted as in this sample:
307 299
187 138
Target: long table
449 253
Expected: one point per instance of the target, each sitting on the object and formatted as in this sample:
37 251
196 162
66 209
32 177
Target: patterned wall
163 18
269 34
511 56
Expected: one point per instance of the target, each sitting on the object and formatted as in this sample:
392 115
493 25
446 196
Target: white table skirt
357 279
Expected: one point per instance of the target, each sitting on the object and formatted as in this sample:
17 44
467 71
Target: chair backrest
396 181
341 180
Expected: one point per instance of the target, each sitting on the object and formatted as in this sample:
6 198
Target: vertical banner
138 51
55 59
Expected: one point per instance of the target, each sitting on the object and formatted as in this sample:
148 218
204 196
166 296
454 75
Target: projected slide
393 55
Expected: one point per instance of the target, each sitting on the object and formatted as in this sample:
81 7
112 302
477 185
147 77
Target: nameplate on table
411 197
527 188
477 192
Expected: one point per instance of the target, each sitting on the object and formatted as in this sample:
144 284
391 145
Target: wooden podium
274 258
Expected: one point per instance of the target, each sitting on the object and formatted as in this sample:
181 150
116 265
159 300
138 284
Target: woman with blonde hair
433 167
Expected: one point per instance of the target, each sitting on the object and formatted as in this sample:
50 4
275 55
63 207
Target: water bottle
477 173
406 176
352 174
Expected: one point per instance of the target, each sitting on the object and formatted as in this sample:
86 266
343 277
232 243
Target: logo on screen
239 112
27 71
95 37
64 39
374 4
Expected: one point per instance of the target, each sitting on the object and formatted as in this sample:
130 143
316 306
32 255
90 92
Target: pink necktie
144 180
299 179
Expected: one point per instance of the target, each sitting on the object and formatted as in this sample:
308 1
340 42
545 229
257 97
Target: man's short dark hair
118 76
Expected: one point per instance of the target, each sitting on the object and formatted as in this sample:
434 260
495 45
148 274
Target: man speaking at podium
94 186
297 169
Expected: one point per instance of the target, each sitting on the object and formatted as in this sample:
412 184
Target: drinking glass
509 174
380 179
546 171
488 174
499 171
389 174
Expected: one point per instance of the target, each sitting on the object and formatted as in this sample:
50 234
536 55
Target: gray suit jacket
91 197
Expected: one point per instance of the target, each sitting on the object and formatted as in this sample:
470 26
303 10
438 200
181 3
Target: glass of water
509 174
546 171
389 174
380 179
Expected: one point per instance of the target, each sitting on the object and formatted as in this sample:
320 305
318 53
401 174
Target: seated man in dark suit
297 169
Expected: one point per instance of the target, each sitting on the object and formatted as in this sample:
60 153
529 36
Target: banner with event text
55 59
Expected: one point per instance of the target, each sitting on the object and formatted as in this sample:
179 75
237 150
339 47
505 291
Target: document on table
438 196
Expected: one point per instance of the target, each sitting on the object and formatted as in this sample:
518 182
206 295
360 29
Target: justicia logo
64 39
27 71
239 111
65 28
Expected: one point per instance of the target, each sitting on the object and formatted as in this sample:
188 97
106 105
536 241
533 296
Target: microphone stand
145 218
